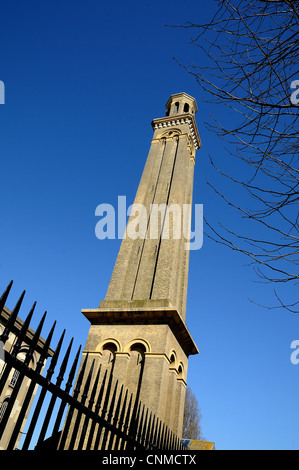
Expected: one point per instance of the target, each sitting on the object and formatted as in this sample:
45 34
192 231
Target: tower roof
182 96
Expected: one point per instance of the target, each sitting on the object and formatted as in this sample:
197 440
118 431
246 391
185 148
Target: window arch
21 356
176 107
173 132
138 343
111 343
186 108
138 350
180 372
14 378
172 360
3 407
108 352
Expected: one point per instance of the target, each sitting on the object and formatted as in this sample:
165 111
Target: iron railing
101 414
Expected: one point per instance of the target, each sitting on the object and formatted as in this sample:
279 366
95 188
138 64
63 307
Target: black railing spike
4 296
71 409
107 395
34 341
172 441
41 398
154 425
115 421
155 440
72 371
80 377
143 431
59 380
160 435
101 393
55 357
87 383
167 439
16 346
128 414
135 420
12 318
162 439
64 363
90 406
121 424
21 336
47 343
112 419
123 411
140 426
82 402
30 390
104 408
127 420
112 403
148 432
68 386
117 409
94 389
158 430
21 377
110 415
97 410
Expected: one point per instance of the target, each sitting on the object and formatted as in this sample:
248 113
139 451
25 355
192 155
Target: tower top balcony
181 103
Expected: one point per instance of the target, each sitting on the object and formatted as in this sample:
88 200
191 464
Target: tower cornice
169 121
145 316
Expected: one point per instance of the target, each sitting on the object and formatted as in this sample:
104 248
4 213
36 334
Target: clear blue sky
83 81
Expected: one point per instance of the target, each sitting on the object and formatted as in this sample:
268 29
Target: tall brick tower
139 329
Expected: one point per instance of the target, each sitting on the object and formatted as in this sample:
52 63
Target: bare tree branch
248 55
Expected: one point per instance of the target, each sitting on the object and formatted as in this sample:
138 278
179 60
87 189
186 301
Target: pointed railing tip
5 294
115 405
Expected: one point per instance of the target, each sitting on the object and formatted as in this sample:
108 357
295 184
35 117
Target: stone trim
153 316
169 121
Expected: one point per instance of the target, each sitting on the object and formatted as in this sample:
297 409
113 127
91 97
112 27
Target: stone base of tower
150 346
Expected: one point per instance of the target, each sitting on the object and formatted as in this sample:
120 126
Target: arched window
172 360
138 350
21 356
14 378
186 108
180 371
109 350
3 407
176 107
